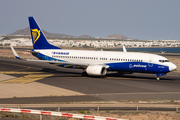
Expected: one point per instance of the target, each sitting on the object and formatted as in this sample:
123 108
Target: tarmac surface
23 82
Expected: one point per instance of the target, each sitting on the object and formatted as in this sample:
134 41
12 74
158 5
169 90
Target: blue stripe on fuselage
138 67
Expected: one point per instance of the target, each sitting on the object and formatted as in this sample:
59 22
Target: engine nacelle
96 70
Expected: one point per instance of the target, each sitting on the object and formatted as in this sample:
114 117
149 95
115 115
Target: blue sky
135 19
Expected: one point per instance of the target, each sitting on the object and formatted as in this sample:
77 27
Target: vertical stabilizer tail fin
38 38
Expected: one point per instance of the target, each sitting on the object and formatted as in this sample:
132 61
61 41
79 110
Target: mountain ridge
26 31
116 36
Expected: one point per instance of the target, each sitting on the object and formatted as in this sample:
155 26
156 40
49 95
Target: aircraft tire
157 78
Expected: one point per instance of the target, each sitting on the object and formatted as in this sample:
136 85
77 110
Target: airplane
95 63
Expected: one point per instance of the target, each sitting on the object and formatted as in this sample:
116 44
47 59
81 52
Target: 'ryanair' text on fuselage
61 53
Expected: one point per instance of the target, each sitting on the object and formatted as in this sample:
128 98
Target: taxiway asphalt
67 85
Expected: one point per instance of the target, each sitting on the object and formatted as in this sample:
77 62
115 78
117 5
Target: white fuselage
117 61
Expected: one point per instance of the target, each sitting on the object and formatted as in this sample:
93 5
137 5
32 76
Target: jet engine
96 70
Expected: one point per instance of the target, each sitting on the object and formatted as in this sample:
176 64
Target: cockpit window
163 60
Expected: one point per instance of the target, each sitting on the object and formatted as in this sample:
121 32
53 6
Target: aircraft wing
58 63
17 56
65 64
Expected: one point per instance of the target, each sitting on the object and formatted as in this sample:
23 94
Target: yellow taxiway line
16 72
19 65
27 78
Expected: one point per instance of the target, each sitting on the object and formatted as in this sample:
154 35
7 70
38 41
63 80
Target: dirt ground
145 115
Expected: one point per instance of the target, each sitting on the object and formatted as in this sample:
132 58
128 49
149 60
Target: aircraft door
150 64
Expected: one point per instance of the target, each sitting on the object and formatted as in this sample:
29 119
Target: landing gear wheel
84 74
157 78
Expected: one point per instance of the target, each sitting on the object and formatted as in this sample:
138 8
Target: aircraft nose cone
172 67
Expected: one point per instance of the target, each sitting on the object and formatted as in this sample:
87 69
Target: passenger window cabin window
163 61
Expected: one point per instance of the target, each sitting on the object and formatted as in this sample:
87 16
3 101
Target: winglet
124 49
15 53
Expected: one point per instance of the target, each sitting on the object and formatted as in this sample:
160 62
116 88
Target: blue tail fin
38 38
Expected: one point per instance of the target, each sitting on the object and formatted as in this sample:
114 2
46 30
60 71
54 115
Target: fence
95 106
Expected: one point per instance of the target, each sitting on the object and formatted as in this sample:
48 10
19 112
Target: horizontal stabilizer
31 51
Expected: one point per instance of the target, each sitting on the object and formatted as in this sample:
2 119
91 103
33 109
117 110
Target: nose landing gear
157 78
160 74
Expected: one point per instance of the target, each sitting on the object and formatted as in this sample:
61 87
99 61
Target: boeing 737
96 63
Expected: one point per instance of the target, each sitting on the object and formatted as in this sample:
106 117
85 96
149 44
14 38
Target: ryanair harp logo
35 34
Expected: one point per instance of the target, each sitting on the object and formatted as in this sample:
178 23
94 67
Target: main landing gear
84 74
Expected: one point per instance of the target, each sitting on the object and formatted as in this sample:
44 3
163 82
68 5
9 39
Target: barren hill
26 31
85 36
116 36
